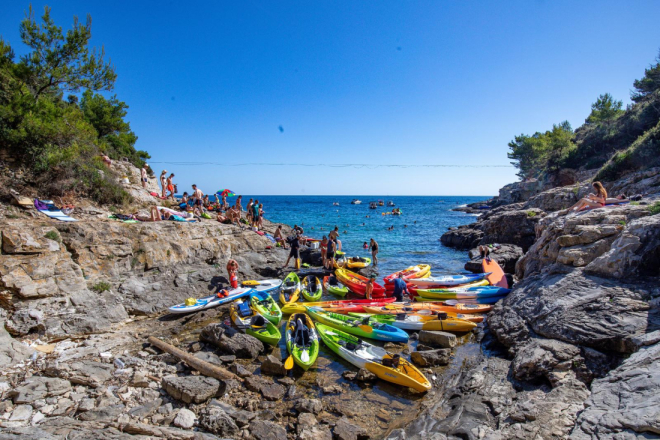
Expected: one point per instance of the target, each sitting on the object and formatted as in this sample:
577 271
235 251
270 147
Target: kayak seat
400 316
442 316
302 338
258 321
244 310
351 346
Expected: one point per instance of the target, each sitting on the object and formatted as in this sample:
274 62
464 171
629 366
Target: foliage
541 152
655 208
52 235
604 109
101 287
60 140
649 83
531 214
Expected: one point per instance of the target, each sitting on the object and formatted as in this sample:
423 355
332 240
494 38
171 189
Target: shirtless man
197 198
143 175
248 212
170 186
278 236
334 235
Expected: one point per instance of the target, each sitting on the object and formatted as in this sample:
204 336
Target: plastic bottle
119 363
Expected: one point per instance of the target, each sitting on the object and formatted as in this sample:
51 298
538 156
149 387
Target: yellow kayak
290 290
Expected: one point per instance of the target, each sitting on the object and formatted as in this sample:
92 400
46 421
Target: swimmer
344 232
405 226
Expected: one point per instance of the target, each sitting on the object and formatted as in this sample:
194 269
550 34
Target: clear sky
356 82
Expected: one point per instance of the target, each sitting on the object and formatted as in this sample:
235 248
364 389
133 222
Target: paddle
289 363
251 283
366 328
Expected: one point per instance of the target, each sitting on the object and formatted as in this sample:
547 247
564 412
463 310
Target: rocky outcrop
506 255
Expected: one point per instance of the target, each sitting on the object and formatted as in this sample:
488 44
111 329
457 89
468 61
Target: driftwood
206 368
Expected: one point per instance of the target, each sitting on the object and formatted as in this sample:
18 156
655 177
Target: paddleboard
496 276
211 301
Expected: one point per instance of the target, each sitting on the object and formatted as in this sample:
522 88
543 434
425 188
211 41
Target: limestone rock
265 430
191 389
364 375
185 419
314 406
506 256
345 430
437 339
38 387
216 421
11 351
232 341
431 358
273 366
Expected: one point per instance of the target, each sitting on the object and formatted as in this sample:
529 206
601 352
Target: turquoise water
415 238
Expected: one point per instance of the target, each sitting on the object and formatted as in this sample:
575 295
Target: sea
404 240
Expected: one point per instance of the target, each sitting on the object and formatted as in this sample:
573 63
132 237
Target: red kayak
419 271
344 306
357 283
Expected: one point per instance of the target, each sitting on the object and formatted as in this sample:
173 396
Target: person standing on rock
400 288
294 242
255 214
324 249
170 186
374 251
248 211
330 255
163 182
232 271
369 287
143 175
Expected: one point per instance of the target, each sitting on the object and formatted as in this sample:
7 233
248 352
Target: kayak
302 341
210 301
344 306
477 300
265 305
448 280
252 323
419 271
336 289
290 290
494 272
463 293
393 309
416 322
361 354
389 287
474 317
312 290
352 262
357 283
267 285
380 331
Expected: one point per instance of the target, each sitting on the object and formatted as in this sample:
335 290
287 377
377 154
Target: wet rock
38 387
185 419
431 358
240 370
349 375
216 421
273 391
191 389
309 429
264 430
437 339
506 256
227 358
364 375
273 366
542 357
345 430
232 341
314 406
464 237
241 417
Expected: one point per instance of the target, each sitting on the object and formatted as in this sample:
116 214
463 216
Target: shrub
101 287
53 235
655 208
531 214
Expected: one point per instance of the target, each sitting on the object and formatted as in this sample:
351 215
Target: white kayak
211 301
267 285
448 280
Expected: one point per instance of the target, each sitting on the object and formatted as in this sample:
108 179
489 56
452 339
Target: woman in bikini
324 249
592 200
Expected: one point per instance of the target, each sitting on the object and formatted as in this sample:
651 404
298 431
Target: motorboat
356 202
381 203
335 203
390 203
373 205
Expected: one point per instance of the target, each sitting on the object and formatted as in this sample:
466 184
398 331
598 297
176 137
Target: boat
357 283
373 205
352 325
222 297
352 262
412 272
335 203
356 202
448 280
265 305
389 367
302 341
290 290
333 286
252 323
381 203
263 285
312 289
478 300
473 317
394 308
463 293
390 203
417 322
495 274
342 306
413 289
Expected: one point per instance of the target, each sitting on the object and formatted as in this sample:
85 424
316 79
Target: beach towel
114 217
47 207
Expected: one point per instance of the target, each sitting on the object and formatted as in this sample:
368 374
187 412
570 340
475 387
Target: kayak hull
211 301
338 290
296 351
308 293
345 306
412 272
393 309
469 293
417 322
448 280
381 332
357 283
290 289
371 358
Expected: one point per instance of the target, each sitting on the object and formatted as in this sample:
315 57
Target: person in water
591 201
374 251
365 245
369 287
400 288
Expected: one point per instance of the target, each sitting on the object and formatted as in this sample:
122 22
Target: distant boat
373 205
356 202
381 203
335 203
390 203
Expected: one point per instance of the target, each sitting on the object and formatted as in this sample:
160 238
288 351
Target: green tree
541 152
604 109
649 83
58 62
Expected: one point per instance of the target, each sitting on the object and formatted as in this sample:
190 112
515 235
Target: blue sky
362 82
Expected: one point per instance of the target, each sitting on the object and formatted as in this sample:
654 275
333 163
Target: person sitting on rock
591 201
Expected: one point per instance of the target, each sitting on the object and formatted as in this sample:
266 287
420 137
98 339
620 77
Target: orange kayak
461 308
430 314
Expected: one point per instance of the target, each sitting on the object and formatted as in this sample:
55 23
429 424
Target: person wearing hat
399 288
163 182
369 288
143 175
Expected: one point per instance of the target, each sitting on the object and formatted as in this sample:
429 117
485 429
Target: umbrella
226 193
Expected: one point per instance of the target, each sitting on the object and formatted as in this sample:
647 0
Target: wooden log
206 368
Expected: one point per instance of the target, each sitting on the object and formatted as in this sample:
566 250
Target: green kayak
312 288
302 341
252 323
350 324
265 305
333 286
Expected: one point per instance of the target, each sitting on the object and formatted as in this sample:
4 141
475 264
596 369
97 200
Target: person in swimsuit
374 251
170 186
232 271
278 236
261 216
324 249
163 182
369 288
143 175
330 254
248 211
295 248
591 201
255 214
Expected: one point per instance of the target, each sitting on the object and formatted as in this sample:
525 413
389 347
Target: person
399 288
163 182
294 242
261 216
206 202
239 204
330 254
232 271
255 214
591 201
484 252
374 251
298 230
324 249
143 175
278 236
224 205
234 215
365 245
170 186
369 288
106 160
248 211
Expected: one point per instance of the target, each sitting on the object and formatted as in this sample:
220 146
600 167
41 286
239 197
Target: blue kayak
211 301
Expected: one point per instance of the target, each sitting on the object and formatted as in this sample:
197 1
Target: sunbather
591 201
